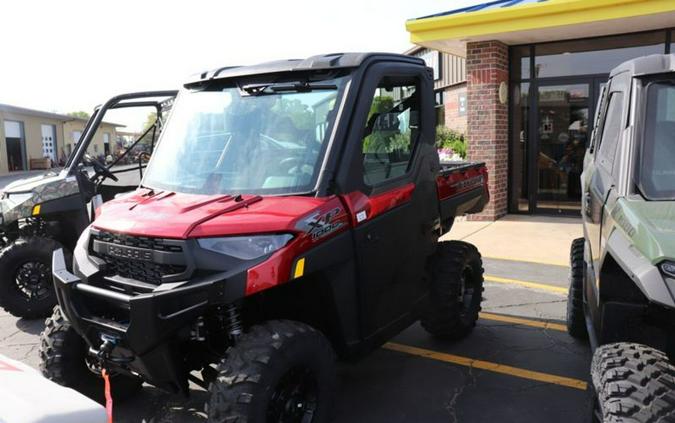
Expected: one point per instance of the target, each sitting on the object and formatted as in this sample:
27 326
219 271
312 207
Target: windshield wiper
301 87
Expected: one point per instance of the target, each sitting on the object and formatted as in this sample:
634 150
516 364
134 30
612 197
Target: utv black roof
314 63
647 65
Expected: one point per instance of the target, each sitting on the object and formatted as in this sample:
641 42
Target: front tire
63 355
633 383
26 288
456 290
576 322
280 371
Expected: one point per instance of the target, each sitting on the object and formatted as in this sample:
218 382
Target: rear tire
280 371
456 290
633 383
576 322
62 360
26 288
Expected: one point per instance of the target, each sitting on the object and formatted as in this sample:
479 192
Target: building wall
32 131
455 116
96 146
453 71
488 69
452 81
32 127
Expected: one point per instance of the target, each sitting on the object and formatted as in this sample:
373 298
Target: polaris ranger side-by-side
291 211
44 213
622 290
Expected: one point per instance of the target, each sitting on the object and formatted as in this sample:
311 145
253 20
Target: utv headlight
668 267
245 247
16 199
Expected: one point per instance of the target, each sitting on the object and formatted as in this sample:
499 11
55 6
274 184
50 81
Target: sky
71 55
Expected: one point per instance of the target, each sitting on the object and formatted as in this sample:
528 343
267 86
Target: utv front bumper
148 330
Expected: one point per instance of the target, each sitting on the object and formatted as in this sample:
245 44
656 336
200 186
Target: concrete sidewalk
539 239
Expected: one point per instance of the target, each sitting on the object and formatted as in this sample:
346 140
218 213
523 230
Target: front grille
136 241
143 271
140 261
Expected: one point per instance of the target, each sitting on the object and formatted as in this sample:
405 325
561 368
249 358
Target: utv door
600 176
393 165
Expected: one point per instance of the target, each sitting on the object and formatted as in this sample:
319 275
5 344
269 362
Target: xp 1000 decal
322 224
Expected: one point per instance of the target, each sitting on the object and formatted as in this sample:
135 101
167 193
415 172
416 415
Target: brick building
449 84
534 71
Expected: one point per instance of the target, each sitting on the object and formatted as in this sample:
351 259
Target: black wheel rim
467 291
33 280
294 399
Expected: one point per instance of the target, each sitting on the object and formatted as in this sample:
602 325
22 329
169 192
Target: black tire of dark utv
576 322
250 373
447 317
633 383
62 360
14 255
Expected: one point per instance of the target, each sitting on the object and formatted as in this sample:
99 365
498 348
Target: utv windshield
657 170
246 139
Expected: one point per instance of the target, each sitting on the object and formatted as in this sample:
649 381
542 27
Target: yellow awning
533 22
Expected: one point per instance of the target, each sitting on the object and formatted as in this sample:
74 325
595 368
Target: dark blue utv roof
320 62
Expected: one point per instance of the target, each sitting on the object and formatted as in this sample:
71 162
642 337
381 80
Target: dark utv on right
291 210
622 290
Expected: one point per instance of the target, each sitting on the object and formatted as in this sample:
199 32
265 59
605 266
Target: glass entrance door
562 135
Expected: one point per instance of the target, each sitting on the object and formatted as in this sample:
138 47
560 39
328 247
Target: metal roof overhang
543 21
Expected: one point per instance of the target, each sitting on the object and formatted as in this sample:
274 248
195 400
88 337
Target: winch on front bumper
146 325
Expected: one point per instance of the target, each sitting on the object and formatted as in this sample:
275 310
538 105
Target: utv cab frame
622 279
45 213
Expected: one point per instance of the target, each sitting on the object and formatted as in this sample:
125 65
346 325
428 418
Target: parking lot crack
6 337
451 405
534 303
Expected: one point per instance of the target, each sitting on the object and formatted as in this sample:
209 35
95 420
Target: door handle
372 238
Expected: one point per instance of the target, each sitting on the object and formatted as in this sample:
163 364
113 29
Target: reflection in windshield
225 142
657 171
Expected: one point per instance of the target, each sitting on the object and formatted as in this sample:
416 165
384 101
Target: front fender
646 276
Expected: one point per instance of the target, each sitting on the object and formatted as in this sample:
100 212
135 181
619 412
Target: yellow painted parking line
520 260
527 284
524 322
487 365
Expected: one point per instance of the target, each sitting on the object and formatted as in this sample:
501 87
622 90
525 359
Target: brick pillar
487 66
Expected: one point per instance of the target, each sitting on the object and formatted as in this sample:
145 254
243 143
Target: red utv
290 211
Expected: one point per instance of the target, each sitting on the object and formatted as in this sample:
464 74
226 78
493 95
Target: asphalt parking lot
519 365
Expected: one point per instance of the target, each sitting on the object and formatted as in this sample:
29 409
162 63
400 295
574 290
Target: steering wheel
101 169
290 163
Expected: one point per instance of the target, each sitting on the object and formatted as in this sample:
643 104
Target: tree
298 112
149 121
81 115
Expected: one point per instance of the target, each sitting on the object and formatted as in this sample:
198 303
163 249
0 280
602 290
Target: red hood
174 215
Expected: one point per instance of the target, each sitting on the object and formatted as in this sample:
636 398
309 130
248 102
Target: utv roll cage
120 102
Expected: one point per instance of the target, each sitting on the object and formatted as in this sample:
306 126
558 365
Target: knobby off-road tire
26 288
456 290
633 383
576 322
280 371
62 360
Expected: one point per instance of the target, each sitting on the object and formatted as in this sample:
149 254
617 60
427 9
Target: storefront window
597 56
519 146
520 62
672 42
